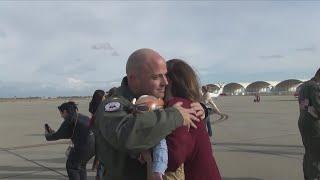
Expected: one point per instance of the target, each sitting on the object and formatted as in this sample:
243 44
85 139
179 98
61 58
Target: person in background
309 126
97 97
74 127
256 97
213 109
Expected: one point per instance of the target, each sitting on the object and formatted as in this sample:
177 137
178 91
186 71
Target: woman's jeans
209 125
77 162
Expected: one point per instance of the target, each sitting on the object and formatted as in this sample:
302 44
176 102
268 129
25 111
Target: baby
157 164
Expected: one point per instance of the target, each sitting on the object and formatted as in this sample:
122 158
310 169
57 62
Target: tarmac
259 141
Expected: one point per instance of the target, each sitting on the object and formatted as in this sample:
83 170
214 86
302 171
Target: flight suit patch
112 106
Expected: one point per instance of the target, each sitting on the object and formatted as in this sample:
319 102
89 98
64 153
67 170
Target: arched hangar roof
258 85
230 87
286 84
213 87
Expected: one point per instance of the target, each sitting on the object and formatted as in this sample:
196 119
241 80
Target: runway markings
10 151
224 118
35 145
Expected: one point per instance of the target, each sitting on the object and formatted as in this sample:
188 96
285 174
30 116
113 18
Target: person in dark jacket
74 127
309 126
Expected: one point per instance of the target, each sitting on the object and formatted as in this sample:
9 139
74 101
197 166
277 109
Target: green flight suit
309 126
121 135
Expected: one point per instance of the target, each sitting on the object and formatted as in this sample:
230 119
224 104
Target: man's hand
199 110
156 176
187 114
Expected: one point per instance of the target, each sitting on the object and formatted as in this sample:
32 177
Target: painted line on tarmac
224 117
34 145
29 160
220 120
258 138
232 147
17 175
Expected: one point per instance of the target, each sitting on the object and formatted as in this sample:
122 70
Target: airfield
259 141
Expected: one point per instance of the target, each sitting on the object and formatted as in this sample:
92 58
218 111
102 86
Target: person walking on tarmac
212 107
74 127
309 126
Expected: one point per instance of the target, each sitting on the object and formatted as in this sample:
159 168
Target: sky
68 48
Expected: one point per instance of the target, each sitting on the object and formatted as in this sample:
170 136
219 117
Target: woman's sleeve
64 132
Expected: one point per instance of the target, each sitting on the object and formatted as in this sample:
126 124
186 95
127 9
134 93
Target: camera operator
74 127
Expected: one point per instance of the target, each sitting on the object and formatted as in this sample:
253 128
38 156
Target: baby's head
148 103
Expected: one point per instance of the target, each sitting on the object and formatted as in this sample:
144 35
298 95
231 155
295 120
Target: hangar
262 87
287 86
213 88
234 89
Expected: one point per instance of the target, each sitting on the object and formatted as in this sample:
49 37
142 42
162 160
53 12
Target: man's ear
132 78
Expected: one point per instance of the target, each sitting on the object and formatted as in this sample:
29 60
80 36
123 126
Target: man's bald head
146 73
139 58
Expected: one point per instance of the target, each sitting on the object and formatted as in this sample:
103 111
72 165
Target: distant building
285 87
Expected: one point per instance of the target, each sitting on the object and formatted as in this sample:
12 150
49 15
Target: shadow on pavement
240 178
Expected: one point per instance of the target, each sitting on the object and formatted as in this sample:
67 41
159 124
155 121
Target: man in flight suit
309 126
122 135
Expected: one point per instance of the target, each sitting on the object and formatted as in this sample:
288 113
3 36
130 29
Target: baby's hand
156 176
145 156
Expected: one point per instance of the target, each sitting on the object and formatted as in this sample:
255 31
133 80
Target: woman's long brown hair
184 80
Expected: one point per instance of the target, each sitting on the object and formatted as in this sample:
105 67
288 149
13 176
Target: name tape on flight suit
112 106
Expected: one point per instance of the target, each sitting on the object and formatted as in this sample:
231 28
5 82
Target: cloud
90 41
306 49
67 87
115 83
74 67
106 47
274 56
102 46
76 84
114 53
